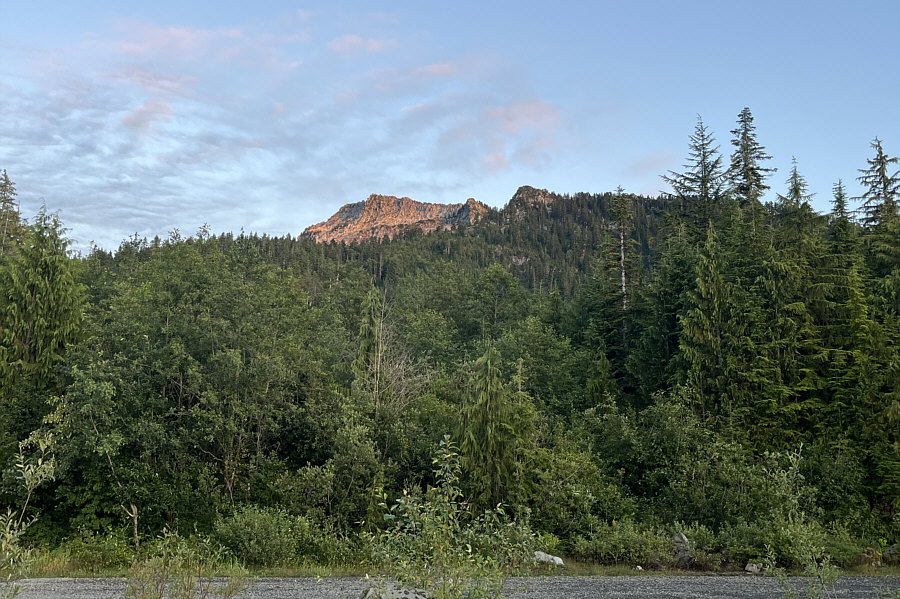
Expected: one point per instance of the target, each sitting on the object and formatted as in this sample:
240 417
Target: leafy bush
262 536
742 543
570 491
624 542
705 545
180 568
97 553
547 542
842 547
268 537
13 556
436 545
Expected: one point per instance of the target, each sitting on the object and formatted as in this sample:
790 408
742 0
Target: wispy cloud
140 39
146 114
354 44
145 127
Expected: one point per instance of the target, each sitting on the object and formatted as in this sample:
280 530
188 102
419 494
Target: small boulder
684 557
545 558
638 568
753 567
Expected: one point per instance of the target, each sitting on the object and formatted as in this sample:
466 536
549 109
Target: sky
148 117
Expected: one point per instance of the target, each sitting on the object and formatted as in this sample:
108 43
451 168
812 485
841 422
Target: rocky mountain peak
383 216
530 195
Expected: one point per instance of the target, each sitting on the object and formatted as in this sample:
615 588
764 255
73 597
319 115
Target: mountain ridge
384 216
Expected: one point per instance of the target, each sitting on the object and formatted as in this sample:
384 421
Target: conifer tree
10 224
746 173
41 311
489 440
711 338
666 297
700 189
792 290
882 187
622 214
881 213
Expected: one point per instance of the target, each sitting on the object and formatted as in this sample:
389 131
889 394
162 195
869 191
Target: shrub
97 553
184 569
742 543
262 536
13 557
624 542
436 545
705 545
547 542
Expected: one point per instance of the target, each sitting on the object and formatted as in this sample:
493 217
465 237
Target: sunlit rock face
382 217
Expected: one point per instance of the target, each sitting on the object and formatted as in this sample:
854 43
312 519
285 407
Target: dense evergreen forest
722 359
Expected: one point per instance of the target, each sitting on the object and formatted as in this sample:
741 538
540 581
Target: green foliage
624 542
746 171
701 188
435 543
41 312
268 537
98 553
11 226
571 493
653 362
179 568
823 574
262 537
490 439
32 472
13 556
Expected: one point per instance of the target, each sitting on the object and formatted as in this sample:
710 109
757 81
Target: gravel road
575 587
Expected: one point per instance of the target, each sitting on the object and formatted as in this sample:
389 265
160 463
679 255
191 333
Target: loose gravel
574 587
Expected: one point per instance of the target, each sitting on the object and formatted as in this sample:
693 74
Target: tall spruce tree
712 339
881 212
700 190
746 173
880 199
792 289
489 439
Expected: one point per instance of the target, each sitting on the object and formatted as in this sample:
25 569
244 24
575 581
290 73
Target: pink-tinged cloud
177 85
181 42
354 44
494 162
412 108
146 114
535 115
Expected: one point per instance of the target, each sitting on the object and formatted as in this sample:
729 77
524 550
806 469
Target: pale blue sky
268 116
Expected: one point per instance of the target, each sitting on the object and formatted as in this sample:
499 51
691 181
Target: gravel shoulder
568 587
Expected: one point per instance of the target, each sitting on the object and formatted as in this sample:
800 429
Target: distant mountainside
384 217
547 239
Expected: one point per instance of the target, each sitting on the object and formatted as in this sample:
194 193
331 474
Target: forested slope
723 359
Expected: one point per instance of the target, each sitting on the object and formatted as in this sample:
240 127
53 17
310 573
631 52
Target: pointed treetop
839 203
798 190
746 173
882 187
701 187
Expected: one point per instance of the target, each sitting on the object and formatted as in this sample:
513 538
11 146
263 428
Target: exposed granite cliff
386 216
